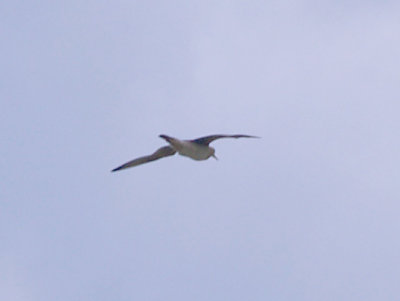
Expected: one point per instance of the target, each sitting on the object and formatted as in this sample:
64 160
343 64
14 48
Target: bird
197 149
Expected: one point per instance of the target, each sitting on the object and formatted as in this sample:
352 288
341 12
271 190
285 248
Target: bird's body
190 149
197 149
197 152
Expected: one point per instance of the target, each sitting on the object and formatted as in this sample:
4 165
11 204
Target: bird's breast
195 151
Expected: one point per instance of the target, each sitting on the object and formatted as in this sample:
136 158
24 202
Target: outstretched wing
162 152
208 139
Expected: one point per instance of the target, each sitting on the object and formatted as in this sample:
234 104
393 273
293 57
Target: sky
307 212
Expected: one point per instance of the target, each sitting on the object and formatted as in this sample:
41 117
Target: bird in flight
197 149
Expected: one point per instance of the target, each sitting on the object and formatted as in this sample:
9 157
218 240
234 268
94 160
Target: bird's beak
215 157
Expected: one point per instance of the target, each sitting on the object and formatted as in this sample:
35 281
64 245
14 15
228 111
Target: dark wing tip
242 136
208 139
116 169
249 136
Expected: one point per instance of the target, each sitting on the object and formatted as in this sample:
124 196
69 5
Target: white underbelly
196 152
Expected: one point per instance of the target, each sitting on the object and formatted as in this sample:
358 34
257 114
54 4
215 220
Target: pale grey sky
308 212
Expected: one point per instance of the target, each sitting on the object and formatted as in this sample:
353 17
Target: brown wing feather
208 139
162 152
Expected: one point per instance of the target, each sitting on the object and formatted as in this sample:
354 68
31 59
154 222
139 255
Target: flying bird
197 149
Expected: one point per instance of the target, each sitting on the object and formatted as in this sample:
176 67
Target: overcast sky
308 212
